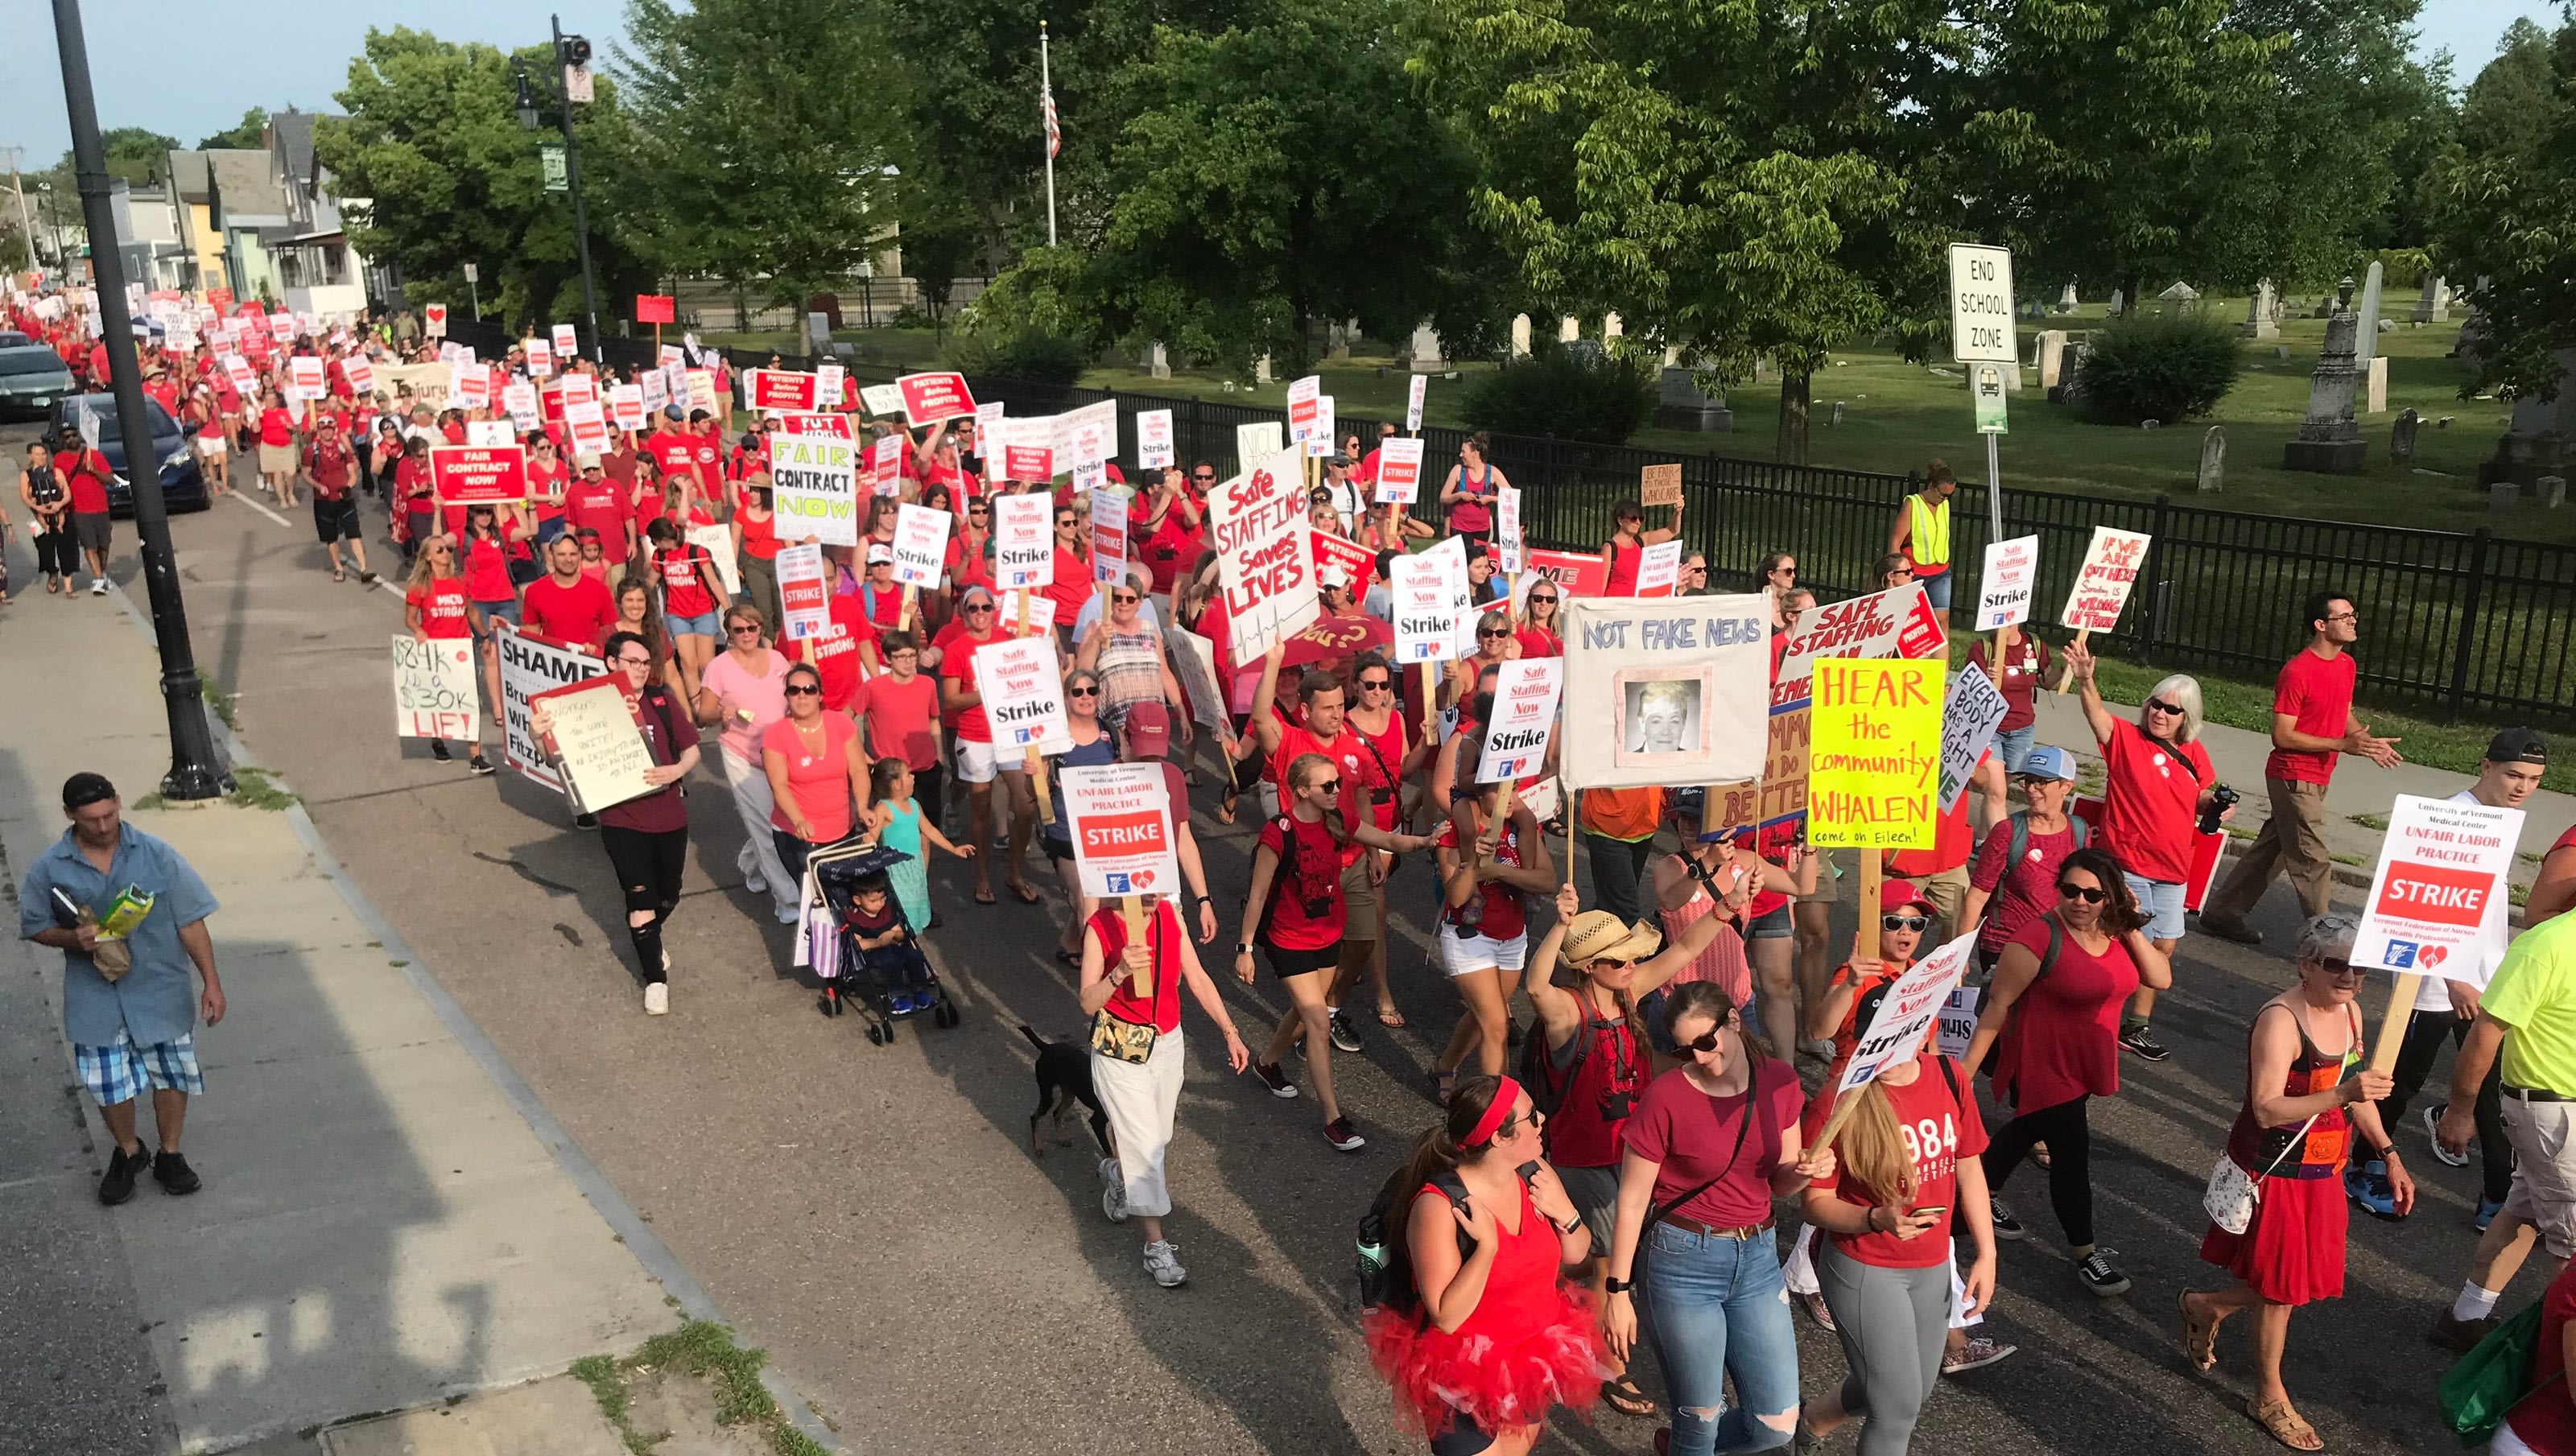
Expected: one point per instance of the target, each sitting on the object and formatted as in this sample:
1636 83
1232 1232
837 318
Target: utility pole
195 773
1054 129
570 51
18 186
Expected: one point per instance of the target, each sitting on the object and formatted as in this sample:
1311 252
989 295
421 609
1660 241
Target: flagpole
1046 93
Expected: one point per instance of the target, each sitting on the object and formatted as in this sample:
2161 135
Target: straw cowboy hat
1598 935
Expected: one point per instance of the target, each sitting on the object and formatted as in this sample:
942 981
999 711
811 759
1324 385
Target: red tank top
1520 1289
1613 1073
2286 1152
1162 1008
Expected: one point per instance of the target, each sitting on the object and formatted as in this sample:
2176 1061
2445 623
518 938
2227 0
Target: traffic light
573 50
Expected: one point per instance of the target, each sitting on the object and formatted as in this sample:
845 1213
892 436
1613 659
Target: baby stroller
888 984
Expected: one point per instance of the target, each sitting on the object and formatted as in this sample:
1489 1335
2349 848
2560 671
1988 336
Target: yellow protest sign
1874 756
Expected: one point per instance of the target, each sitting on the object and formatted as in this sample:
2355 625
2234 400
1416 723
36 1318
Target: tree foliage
1575 392
2164 365
136 154
242 136
2506 211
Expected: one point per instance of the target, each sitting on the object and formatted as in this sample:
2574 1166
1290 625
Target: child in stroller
882 936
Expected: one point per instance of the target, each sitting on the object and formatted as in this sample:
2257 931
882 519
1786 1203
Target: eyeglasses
1204 475
1706 1042
1491 634
1540 601
1905 922
803 690
1125 599
2338 966
2343 617
2159 705
1329 786
2089 894
1082 692
738 628
634 662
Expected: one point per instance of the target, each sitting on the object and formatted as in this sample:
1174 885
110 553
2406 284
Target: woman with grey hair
2159 788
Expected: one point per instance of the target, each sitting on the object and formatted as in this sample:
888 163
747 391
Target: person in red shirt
2544 1420
277 448
1072 585
847 639
332 466
566 605
693 596
900 709
437 608
594 503
85 474
2025 661
415 496
672 449
548 482
2312 721
977 758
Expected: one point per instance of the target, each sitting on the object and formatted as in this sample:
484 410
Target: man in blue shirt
136 1028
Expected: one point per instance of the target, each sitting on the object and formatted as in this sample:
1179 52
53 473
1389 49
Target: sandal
1225 809
1444 1085
984 896
338 575
2039 1154
1626 1398
1069 958
2286 1425
1389 1016
1026 895
2199 1340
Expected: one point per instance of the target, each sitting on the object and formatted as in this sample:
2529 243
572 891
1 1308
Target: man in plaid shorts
135 1029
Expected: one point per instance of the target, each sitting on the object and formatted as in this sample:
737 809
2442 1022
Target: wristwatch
1243 947
1569 1226
1616 1285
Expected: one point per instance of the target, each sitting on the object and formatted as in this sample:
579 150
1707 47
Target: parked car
11 339
32 378
94 417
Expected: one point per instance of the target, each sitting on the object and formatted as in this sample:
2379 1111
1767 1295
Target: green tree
2505 211
759 151
243 135
431 140
134 153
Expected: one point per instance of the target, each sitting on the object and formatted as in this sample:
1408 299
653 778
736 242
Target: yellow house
191 198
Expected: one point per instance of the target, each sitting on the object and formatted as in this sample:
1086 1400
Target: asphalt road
874 1219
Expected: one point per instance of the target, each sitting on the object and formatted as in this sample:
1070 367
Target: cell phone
1935 1209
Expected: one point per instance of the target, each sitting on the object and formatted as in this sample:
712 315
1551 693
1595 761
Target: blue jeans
1715 1307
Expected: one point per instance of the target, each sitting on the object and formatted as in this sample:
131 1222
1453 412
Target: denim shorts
2160 902
1936 588
1771 924
702 625
2013 746
504 610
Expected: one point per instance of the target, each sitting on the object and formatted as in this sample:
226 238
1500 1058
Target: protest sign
1914 1001
1525 694
597 744
885 464
626 406
567 343
656 308
1302 394
1121 818
1087 436
882 400
656 390
1413 403
1665 692
1028 450
1319 440
1023 541
238 370
1507 530
1431 594
1958 1021
1194 663
816 426
519 398
988 424
2102 585
540 356
1023 612
702 391
1023 692
531 665
1659 569
281 327
717 542
931 398
472 389
2437 900
304 375
433 320
1576 573
1357 562
1971 711
1262 564
492 434
2005 588
1108 537
1258 441
581 389
1659 485
920 544
779 389
831 387
435 692
1399 470
804 598
588 426
1873 770
1088 478
814 487
1154 449
464 475
361 376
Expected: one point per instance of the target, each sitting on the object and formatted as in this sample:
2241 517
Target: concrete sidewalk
383 1225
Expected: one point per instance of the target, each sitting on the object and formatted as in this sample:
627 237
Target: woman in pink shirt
743 692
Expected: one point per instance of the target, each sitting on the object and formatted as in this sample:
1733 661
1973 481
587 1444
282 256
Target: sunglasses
979 606
2159 705
2338 966
1791 570
1374 685
1905 922
1329 786
1082 692
799 690
1491 634
1542 601
1064 523
1706 1042
2089 894
1204 475
741 627
1124 599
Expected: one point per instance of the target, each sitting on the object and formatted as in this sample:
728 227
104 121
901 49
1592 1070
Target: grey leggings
1893 1323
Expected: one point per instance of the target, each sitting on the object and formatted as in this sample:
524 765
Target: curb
638 1237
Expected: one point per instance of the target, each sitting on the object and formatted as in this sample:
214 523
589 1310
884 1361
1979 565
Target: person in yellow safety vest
1922 534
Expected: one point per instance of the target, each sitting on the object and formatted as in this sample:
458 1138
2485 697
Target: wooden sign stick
1132 909
2068 681
2392 1027
1863 946
911 605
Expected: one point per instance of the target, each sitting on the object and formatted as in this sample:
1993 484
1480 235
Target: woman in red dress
2292 1137
1497 1337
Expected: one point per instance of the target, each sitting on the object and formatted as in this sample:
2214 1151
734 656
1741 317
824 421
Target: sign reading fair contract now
1122 829
470 475
815 487
2441 877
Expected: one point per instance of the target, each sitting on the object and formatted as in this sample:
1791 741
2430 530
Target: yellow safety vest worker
1927 538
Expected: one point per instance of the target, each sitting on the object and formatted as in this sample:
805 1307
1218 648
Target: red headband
1506 1097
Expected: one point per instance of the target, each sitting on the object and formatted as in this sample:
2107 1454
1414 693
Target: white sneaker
756 885
1164 1263
1113 1191
657 999
98 586
789 915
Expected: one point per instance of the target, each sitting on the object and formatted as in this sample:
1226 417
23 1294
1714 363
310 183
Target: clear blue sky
186 69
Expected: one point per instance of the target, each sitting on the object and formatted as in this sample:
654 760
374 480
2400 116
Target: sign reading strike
1108 537
434 687
1914 1001
1121 815
1981 305
1665 692
2102 587
531 665
804 600
920 544
1525 694
1507 528
467 475
1269 583
1413 398
1023 692
930 398
2441 876
1431 595
1970 713
1023 544
1302 394
1873 767
2011 575
1399 471
814 482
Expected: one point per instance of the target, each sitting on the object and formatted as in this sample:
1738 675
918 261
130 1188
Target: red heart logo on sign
2431 956
1142 879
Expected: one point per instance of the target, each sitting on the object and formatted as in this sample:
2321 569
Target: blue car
183 485
32 378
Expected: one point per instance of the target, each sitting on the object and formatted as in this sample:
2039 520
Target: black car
32 379
183 485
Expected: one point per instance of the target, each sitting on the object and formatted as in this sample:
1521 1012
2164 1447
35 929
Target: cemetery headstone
2378 387
2213 459
1520 335
1680 404
2366 343
2329 443
2401 437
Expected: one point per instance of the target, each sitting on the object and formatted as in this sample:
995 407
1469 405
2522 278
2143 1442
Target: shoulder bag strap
1657 1212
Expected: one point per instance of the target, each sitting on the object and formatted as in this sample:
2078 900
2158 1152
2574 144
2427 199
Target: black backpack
1386 1272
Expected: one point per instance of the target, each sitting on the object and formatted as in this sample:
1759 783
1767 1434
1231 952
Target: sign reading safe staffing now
1874 753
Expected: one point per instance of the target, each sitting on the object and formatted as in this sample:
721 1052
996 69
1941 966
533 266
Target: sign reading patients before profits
1874 753
2442 872
1981 304
1122 829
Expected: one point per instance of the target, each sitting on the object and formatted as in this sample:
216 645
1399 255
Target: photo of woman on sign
1660 716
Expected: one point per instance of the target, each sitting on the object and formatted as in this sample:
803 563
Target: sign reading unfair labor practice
2442 872
1673 691
1121 815
1874 753
814 487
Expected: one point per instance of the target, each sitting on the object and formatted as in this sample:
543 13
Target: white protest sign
529 666
1432 593
814 487
597 743
1087 436
2102 587
489 434
587 423
2442 873
626 406
1023 541
1194 663
567 343
883 400
1154 450
435 694
920 544
1023 692
1319 440
1958 1022
1669 692
1302 394
1413 402
1258 441
2004 590
1913 1003
1981 305
1971 711
519 398
1031 605
1525 695
1659 568
1507 529
361 376
804 597
885 464
831 386
656 389
1399 471
1259 520
540 356
1108 536
1121 817
989 414
717 542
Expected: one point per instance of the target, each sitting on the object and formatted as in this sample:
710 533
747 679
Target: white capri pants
1142 1100
759 854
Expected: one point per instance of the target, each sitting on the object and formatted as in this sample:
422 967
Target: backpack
1538 1074
1386 1273
2487 1383
2019 819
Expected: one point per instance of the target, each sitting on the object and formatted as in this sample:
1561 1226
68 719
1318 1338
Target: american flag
1054 133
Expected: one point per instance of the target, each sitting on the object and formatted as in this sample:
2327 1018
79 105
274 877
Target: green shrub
2164 366
1028 354
1576 394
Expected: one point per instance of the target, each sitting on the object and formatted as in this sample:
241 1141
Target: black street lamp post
570 50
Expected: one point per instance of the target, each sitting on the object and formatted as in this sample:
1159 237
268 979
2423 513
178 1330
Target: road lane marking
234 495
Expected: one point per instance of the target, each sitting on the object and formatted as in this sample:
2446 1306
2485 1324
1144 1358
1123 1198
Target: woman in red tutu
2292 1137
1495 1337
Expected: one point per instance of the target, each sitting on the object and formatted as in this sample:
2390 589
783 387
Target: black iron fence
2453 625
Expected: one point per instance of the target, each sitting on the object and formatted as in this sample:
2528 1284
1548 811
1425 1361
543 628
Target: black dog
1064 1077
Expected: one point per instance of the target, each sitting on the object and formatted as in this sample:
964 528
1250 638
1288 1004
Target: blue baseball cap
2049 762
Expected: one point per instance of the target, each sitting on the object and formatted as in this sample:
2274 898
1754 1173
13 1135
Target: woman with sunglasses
755 546
1093 745
437 608
647 839
1710 1145
483 561
2151 814
1538 633
2304 1109
2016 673
1487 863
1493 1336
1126 651
2052 1019
743 692
1377 719
1628 541
817 774
970 547
1494 646
978 761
